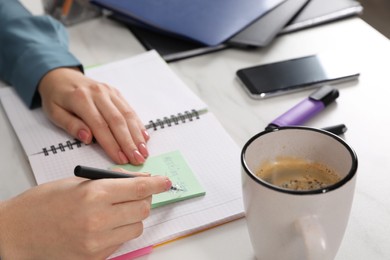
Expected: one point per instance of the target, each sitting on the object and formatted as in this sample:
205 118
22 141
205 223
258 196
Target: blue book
209 22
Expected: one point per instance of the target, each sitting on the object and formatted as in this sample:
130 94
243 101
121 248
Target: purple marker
306 109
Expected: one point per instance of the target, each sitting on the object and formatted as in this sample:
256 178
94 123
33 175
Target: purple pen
306 109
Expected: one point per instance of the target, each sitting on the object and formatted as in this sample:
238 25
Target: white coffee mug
290 224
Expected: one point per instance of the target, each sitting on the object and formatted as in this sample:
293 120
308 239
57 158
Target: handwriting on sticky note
174 166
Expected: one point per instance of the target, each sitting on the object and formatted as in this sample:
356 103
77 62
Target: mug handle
314 237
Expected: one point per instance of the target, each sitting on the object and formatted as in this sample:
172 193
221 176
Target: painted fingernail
168 184
143 150
138 157
146 135
83 136
122 157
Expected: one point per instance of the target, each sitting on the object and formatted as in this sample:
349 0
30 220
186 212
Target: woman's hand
76 218
86 109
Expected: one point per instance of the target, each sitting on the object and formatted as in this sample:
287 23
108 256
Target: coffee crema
297 174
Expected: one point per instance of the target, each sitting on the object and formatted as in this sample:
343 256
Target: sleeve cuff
33 65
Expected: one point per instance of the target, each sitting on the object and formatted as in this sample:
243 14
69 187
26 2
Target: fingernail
143 150
122 157
83 135
146 135
168 184
138 157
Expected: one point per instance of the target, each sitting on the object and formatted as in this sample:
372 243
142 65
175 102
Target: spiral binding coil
180 118
174 119
62 147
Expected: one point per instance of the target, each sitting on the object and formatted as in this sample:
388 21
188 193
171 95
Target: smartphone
288 76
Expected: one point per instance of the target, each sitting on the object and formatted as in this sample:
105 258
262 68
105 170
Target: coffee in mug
297 174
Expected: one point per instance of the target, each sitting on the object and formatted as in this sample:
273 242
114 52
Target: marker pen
306 109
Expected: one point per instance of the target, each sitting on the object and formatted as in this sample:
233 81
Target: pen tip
176 187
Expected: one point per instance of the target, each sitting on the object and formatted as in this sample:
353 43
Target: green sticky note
174 166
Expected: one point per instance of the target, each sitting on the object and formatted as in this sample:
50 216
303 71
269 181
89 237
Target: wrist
53 75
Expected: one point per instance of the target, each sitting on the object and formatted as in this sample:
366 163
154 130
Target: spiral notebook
177 120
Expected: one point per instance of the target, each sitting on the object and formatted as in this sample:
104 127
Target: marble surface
363 106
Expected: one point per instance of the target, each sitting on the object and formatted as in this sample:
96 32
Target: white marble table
363 106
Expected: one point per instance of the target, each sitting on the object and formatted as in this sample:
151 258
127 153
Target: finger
85 104
119 128
134 124
146 134
104 244
140 174
124 190
140 124
122 234
88 112
106 252
116 215
127 213
70 123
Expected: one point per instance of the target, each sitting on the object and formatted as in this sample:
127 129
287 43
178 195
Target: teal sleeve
30 46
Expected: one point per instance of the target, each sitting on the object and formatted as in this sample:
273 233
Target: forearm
30 47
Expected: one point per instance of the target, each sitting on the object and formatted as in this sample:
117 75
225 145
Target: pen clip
325 94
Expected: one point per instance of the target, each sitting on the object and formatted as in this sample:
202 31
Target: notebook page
146 82
148 85
32 127
210 153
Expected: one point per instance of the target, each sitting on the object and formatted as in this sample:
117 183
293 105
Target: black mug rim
347 178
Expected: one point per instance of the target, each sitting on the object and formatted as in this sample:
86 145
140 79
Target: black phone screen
295 74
